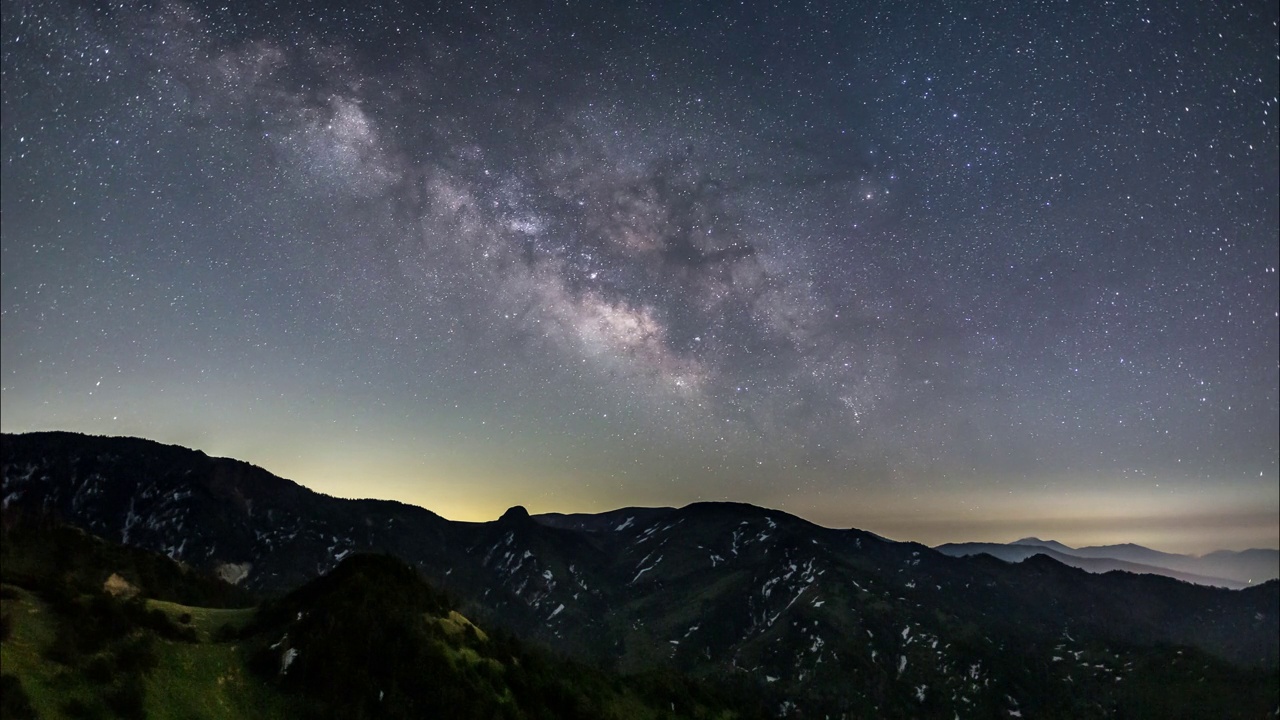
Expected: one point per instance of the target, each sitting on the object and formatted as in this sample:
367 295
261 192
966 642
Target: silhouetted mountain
1256 564
1037 542
611 520
825 621
372 639
1224 568
1019 551
368 639
1249 566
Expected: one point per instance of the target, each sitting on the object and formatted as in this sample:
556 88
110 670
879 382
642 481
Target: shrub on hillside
136 655
126 700
100 669
14 702
78 709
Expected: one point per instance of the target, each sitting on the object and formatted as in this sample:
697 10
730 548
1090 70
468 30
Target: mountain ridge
840 619
1222 568
371 638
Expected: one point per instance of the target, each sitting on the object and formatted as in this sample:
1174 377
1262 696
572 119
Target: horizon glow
941 275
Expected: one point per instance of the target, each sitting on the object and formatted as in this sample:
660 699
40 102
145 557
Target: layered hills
88 632
1219 569
818 621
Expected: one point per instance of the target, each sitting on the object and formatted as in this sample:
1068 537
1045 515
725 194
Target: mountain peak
1050 544
516 513
709 587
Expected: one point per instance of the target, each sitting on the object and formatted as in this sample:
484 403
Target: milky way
946 273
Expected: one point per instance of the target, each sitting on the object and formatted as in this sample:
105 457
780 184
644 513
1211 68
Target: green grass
208 679
32 630
193 681
206 621
456 624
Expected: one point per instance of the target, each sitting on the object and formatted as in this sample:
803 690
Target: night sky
945 272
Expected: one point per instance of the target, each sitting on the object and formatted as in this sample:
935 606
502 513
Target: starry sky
942 271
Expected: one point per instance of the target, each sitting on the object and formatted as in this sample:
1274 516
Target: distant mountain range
827 622
1223 568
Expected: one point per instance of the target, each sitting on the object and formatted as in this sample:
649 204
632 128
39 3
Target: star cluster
951 272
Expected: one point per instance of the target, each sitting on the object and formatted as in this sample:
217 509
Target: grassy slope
208 679
192 681
20 653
